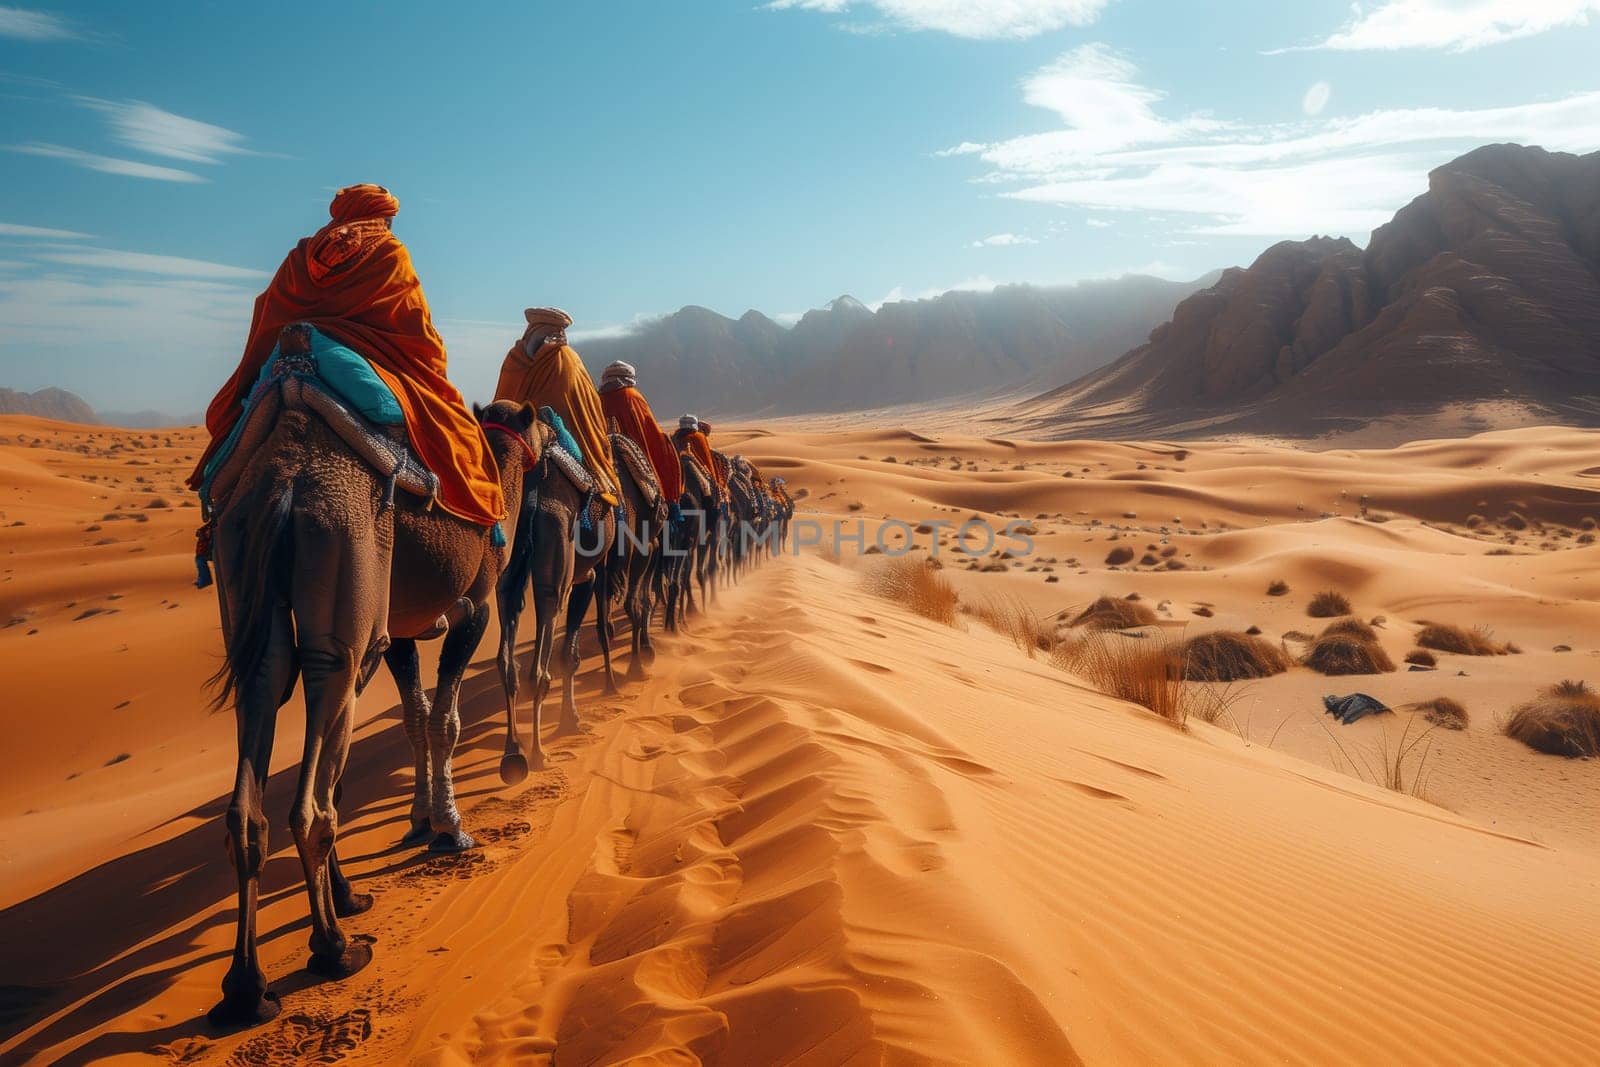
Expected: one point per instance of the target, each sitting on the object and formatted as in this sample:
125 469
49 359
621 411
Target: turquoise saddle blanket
345 372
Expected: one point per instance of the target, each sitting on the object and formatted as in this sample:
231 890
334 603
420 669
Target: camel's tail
264 561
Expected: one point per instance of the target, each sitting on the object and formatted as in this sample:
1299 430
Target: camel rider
621 400
689 438
543 370
353 282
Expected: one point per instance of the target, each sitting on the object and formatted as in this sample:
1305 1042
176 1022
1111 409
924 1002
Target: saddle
592 509
627 453
294 382
693 470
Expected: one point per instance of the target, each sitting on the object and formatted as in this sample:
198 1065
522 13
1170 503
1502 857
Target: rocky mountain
1485 290
847 356
55 404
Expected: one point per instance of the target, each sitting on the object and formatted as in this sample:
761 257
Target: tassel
497 536
202 572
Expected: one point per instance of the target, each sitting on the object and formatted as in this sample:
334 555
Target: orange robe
556 377
697 446
635 419
354 282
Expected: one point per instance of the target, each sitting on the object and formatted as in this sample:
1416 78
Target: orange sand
828 831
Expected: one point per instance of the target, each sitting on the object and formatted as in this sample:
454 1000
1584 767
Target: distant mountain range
55 404
1483 290
847 356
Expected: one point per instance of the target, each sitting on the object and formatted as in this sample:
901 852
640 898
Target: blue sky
621 160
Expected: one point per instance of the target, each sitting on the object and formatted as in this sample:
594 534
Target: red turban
363 202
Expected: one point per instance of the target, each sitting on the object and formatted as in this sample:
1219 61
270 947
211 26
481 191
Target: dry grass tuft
1109 613
1229 656
1351 628
1119 555
1328 604
1392 771
1443 637
913 584
1444 712
1140 671
1012 617
1344 654
1563 720
1422 658
1278 588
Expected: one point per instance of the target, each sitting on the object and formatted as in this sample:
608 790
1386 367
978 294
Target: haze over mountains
1485 290
846 356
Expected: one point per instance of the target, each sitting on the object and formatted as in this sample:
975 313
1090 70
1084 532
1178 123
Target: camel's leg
329 673
444 728
641 573
513 764
547 605
577 607
407 671
601 584
346 901
245 998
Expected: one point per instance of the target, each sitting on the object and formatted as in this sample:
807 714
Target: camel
322 569
562 533
629 570
689 555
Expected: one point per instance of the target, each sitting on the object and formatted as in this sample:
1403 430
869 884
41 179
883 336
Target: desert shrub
913 584
1109 613
1563 720
1119 555
1140 671
1013 617
1514 520
1278 588
1443 637
1588 522
1203 611
1444 712
1344 654
1475 521
1328 604
1229 656
1352 627
1421 657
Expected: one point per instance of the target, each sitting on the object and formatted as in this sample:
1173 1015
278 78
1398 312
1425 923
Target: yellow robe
557 377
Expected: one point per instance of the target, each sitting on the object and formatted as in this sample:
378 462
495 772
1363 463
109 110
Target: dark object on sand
1355 706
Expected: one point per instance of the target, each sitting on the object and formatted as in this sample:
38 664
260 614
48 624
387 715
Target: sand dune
826 830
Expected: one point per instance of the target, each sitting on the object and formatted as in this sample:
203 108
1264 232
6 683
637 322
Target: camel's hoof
647 654
611 689
452 841
352 904
356 955
419 832
249 1010
513 768
567 728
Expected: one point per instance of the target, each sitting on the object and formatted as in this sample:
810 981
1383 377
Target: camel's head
511 428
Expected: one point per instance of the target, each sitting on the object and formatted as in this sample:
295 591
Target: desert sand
828 830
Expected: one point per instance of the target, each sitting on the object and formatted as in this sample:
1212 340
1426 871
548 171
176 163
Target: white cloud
25 25
144 263
12 229
149 129
981 284
1458 25
976 19
1003 240
1341 175
1099 224
965 148
1316 98
108 164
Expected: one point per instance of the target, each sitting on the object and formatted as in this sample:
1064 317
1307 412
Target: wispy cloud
1450 24
1315 102
1340 175
1099 224
147 128
145 263
14 229
976 19
108 164
1003 240
26 25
